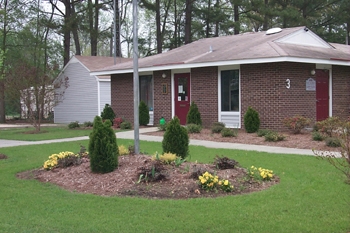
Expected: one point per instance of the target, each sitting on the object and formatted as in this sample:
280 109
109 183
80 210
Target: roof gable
304 37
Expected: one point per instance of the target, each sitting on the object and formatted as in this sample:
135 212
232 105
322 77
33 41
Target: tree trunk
2 65
188 19
158 31
66 32
75 31
236 19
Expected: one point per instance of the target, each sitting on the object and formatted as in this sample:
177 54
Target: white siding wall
80 101
105 95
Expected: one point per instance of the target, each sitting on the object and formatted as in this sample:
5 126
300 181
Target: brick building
280 73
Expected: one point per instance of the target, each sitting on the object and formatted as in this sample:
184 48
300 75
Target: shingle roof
98 62
253 45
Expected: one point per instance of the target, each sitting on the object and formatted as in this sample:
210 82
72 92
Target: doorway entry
322 95
182 96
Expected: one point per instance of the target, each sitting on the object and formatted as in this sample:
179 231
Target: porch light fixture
313 72
163 75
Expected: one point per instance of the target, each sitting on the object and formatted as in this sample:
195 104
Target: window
230 90
146 90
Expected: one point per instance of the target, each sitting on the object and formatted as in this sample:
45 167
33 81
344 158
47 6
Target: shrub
163 127
274 137
225 163
263 132
123 150
217 127
73 125
317 136
251 120
125 125
103 147
176 139
226 132
296 123
117 121
108 113
193 128
333 142
88 124
193 115
329 126
143 114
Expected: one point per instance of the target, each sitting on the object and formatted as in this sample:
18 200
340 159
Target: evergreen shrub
143 114
217 127
193 128
251 120
73 125
226 132
103 148
108 113
176 139
125 125
193 115
333 142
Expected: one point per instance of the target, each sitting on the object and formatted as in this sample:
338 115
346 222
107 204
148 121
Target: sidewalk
143 137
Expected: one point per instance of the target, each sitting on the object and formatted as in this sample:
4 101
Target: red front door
182 96
322 95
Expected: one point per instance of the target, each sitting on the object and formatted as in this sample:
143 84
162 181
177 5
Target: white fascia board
226 63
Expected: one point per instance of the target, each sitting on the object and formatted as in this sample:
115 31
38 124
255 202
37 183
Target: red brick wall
263 86
341 91
122 96
162 102
204 92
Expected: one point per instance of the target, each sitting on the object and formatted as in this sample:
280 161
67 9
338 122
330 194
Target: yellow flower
226 182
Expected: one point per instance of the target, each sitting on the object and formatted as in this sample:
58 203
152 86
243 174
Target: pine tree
193 115
143 114
103 148
251 120
108 113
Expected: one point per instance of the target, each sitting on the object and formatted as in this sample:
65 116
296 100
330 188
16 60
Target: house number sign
287 83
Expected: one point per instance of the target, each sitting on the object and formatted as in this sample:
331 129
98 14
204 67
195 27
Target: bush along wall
193 115
251 120
103 148
143 114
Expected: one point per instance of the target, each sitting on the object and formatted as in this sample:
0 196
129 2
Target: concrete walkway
143 137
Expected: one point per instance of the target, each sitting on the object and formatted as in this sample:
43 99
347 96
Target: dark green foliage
176 139
125 125
193 128
274 137
143 114
88 124
226 132
263 132
73 125
103 148
108 113
333 142
251 120
317 136
193 115
217 127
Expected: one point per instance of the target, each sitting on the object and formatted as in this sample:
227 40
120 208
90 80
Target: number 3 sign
287 83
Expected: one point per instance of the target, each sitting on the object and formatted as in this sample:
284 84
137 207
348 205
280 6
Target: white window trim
233 114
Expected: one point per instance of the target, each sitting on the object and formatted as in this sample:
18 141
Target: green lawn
311 197
46 133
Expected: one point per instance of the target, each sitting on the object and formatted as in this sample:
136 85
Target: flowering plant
123 150
55 159
260 173
210 182
296 123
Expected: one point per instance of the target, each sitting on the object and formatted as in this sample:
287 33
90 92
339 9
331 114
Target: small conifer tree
143 114
176 139
251 120
108 113
193 115
103 148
